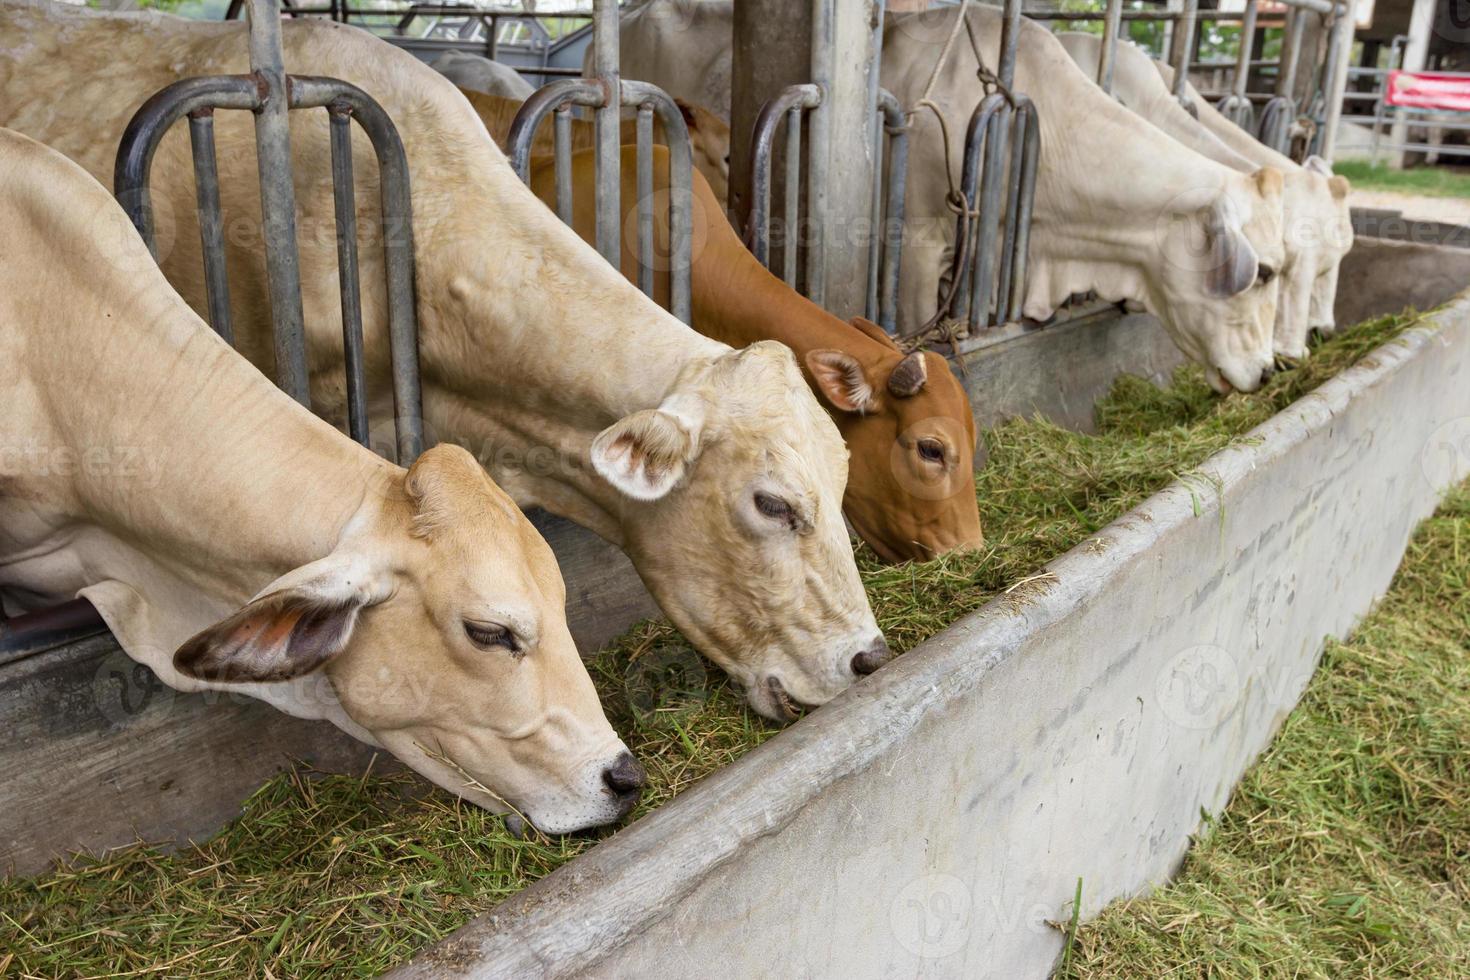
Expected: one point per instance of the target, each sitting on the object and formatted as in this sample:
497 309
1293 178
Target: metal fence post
1337 67
1109 51
607 123
1184 50
278 200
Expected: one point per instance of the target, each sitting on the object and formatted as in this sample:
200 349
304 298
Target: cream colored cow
1121 209
1322 219
716 470
232 541
1316 234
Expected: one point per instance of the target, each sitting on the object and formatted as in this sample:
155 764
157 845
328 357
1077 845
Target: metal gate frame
885 248
1273 124
606 93
269 93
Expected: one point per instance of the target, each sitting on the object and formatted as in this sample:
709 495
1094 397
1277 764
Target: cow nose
625 775
1267 373
875 656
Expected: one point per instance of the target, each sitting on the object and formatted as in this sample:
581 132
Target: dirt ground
1449 209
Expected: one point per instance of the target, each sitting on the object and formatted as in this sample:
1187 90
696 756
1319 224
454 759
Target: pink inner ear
275 638
840 378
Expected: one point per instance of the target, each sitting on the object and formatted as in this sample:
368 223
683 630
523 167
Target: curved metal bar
144 131
1274 129
1026 200
993 182
681 183
1238 110
896 126
567 91
211 237
762 139
977 137
344 201
643 163
1020 122
398 256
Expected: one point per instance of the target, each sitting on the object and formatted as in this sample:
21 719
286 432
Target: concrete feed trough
935 818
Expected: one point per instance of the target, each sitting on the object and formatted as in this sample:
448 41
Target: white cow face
1336 246
738 479
1217 284
1318 234
442 633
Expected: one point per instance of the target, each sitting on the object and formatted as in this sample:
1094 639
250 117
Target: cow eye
775 508
1265 273
931 450
489 636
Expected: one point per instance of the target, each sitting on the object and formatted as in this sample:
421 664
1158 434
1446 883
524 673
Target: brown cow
906 420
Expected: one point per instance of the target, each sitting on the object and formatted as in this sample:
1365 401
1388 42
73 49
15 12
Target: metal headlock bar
993 281
606 94
270 94
788 110
1279 112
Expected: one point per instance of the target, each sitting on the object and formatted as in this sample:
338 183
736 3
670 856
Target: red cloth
1428 90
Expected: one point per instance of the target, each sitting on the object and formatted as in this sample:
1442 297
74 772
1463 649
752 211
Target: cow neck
256 486
739 301
528 354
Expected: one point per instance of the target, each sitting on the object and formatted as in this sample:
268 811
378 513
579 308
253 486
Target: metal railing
478 34
998 178
606 94
992 283
787 112
1273 123
269 93
1383 115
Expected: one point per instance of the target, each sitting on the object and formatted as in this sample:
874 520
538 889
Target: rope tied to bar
941 323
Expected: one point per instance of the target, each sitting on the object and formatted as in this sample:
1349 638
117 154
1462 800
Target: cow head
1318 233
1216 286
1338 241
737 478
907 423
439 624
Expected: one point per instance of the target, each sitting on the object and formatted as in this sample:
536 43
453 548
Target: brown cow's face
440 630
908 426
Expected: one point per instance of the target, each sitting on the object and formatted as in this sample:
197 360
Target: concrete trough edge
569 922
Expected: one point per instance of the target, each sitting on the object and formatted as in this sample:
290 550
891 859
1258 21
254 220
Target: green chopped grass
1345 851
343 875
1438 181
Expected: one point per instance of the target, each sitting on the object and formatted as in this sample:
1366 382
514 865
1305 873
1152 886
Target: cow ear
1317 165
1232 262
1339 186
646 454
876 332
909 377
300 622
1269 181
841 380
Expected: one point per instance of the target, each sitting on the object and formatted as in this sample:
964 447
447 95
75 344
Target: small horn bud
909 376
